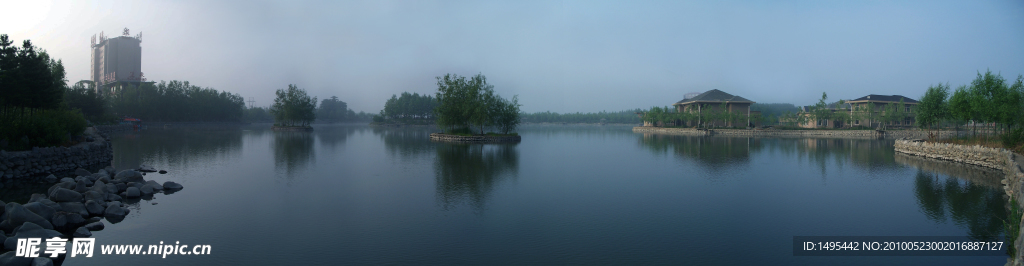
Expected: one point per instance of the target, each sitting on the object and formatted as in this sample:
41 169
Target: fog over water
563 56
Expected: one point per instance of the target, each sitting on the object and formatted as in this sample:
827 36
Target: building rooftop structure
714 96
884 98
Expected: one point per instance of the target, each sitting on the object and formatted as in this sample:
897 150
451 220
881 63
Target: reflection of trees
715 153
333 135
980 208
177 147
406 142
470 172
293 151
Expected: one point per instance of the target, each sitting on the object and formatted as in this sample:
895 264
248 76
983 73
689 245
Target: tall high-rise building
116 61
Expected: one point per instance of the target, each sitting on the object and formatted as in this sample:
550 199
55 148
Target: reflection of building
716 101
116 62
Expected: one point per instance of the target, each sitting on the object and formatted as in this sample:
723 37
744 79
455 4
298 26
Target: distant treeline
330 110
771 112
620 117
408 108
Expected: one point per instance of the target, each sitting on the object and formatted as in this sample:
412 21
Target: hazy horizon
560 56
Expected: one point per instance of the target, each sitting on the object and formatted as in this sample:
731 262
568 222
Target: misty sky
562 56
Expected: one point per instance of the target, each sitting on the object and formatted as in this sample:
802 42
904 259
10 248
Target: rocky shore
811 133
73 207
1000 159
94 150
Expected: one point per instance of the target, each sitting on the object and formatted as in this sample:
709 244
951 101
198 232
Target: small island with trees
466 107
293 110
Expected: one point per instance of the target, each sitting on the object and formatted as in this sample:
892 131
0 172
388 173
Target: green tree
960 106
332 110
293 107
933 106
464 103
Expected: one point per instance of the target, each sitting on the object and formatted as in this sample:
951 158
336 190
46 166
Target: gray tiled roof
886 98
715 96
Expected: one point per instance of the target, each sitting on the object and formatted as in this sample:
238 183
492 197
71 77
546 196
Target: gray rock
111 189
82 185
156 186
18 215
75 219
115 210
66 185
36 197
59 219
94 226
96 176
129 176
82 172
169 185
51 179
67 179
94 196
135 184
147 189
93 207
29 230
75 207
40 209
110 170
146 168
42 261
113 197
8 258
82 232
133 192
105 179
65 195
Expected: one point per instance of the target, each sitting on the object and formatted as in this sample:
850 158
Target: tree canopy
464 103
293 107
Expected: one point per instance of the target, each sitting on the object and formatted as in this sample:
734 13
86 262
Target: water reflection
714 153
179 148
331 136
467 173
293 152
969 195
406 142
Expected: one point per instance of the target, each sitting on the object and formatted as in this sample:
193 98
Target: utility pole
250 102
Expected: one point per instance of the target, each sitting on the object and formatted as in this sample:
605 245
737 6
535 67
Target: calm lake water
564 195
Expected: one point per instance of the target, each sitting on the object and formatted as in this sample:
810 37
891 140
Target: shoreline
441 137
96 149
998 159
827 133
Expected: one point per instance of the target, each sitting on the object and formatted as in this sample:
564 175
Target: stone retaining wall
473 139
796 133
1001 159
42 161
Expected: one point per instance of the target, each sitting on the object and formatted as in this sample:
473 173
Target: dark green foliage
933 106
1012 227
175 101
409 107
293 107
621 117
83 97
469 103
32 87
332 110
257 115
772 112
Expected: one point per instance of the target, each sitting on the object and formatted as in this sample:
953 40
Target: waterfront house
716 101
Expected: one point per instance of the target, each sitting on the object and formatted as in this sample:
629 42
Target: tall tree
933 106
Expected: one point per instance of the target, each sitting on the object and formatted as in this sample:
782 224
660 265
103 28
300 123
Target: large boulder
82 232
110 170
29 230
36 197
67 179
65 195
40 209
75 207
94 226
94 208
8 258
96 196
43 261
133 192
82 185
129 176
18 215
156 186
170 185
114 209
66 185
114 197
121 187
147 189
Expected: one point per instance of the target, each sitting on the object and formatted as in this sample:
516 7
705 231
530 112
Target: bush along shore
1001 159
73 207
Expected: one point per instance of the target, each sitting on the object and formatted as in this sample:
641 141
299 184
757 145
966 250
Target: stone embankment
796 133
1000 159
474 139
94 150
73 208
